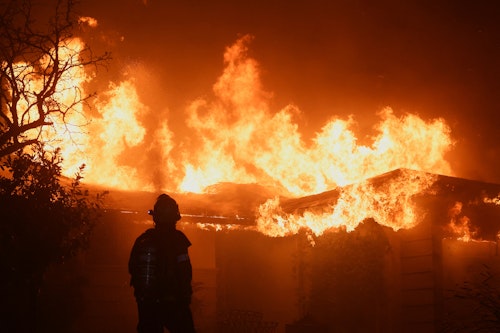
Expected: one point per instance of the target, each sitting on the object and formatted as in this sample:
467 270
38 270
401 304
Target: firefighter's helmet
165 210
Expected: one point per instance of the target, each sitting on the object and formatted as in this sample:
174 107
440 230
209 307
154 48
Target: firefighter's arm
185 275
132 262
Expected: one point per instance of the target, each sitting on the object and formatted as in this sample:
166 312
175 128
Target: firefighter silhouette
161 273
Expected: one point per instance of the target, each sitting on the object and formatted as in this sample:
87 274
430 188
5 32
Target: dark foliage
474 306
43 221
348 281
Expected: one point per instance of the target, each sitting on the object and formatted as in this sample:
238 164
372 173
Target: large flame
460 225
241 140
390 204
117 129
234 136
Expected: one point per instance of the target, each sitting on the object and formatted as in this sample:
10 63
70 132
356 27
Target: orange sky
330 58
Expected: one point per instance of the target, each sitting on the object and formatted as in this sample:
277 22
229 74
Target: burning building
437 273
324 246
394 278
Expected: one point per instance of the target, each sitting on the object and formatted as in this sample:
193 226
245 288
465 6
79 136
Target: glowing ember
92 22
222 227
494 201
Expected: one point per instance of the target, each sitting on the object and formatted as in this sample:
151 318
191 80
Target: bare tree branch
37 66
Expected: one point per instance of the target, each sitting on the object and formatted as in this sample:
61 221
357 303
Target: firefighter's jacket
160 267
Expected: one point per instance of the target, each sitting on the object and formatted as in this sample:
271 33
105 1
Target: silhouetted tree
474 306
37 64
43 221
